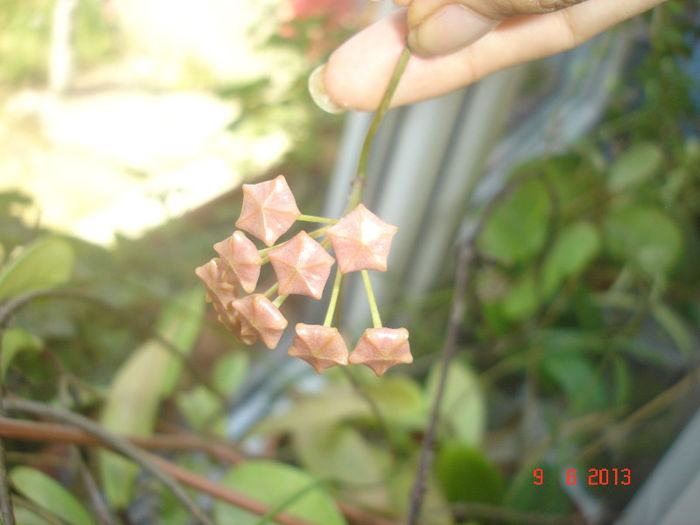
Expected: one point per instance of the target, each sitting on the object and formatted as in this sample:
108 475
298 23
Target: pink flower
221 286
259 318
320 346
269 209
302 266
382 348
361 241
242 257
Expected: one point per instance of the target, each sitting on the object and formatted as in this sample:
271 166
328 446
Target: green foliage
282 486
139 385
467 475
45 263
49 494
15 340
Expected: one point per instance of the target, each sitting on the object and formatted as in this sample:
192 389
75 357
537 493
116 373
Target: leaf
180 325
522 299
49 494
137 388
675 327
276 483
399 400
45 263
463 407
635 166
466 475
27 517
574 248
229 372
644 236
517 228
342 454
200 407
15 340
577 377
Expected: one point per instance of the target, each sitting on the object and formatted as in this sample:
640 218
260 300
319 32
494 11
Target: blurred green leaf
574 248
276 483
229 372
340 453
517 228
45 263
522 299
467 475
463 407
644 236
577 377
27 517
180 325
137 388
398 398
636 165
15 340
49 494
199 408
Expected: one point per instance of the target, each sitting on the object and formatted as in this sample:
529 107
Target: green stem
317 233
314 218
360 180
280 299
272 289
376 320
334 298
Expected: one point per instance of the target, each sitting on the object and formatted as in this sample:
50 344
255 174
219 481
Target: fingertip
319 93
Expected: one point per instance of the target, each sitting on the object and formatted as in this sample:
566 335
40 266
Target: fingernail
317 89
449 29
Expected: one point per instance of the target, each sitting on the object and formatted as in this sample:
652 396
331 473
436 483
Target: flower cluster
302 265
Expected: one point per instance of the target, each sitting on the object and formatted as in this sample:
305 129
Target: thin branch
117 443
465 265
35 431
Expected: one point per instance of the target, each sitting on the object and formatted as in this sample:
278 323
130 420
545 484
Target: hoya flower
269 209
221 286
259 318
302 266
361 241
382 348
242 257
320 346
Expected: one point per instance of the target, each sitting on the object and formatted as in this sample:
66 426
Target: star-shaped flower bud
220 284
269 209
361 241
243 258
218 280
302 266
382 348
320 346
260 318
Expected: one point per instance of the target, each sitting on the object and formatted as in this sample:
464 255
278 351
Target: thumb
440 27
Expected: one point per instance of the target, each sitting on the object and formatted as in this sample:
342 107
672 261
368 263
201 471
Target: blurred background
126 130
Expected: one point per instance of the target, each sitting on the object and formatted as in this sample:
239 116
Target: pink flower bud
242 257
361 241
382 348
302 266
269 209
320 346
260 318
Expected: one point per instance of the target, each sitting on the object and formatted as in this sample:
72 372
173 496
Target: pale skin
456 42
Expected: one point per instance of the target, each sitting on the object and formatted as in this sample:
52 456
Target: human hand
456 42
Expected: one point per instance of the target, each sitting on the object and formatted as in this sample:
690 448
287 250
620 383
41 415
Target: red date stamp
596 476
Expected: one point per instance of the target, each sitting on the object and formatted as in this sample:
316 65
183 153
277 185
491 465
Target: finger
439 27
358 71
